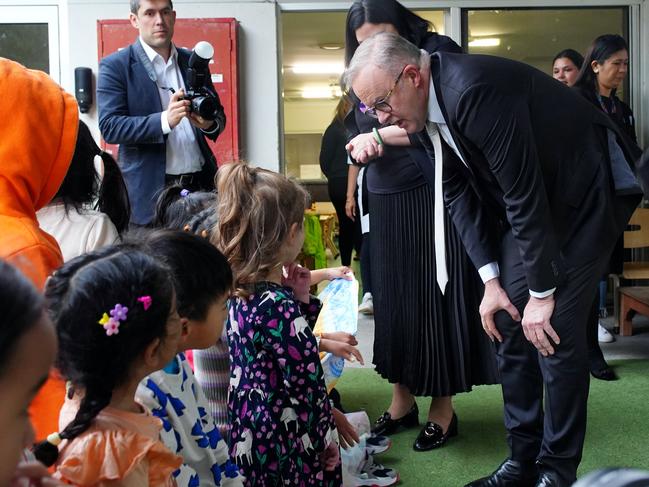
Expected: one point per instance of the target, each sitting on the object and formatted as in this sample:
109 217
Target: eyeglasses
381 105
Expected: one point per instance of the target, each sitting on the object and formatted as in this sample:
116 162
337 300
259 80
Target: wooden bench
632 300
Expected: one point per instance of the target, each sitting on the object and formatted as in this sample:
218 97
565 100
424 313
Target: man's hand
198 121
363 148
177 109
495 299
347 433
536 324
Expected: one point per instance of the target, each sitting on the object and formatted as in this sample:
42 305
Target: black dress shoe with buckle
385 425
432 436
511 473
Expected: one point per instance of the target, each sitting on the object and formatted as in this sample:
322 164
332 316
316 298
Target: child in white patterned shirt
203 280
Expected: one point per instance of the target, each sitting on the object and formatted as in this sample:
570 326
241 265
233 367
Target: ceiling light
485 42
331 46
321 68
315 93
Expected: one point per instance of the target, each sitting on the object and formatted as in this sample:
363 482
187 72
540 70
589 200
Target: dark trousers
550 430
349 236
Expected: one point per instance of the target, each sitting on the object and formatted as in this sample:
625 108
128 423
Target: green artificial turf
618 427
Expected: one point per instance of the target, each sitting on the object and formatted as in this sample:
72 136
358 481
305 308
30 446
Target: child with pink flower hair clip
116 320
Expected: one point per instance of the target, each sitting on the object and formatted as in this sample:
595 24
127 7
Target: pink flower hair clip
146 302
111 323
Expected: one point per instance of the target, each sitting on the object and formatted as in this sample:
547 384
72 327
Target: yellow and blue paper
339 313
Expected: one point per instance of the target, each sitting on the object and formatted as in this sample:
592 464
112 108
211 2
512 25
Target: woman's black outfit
431 343
622 115
333 162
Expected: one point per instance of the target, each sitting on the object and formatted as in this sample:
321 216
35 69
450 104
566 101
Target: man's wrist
489 271
543 294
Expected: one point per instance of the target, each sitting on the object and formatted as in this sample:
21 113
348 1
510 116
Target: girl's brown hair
256 209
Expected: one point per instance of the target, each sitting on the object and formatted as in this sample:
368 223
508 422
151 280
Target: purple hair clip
184 193
111 323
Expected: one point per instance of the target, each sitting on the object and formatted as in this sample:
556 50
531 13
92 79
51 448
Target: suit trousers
550 429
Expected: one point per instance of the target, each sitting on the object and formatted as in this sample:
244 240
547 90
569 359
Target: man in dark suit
540 186
141 107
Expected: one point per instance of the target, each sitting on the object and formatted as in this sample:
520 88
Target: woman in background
602 73
426 343
333 162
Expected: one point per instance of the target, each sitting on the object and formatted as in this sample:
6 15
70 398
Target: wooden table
632 300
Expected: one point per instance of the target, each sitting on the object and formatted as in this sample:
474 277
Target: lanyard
603 105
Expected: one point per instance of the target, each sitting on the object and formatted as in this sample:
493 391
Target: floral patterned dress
279 411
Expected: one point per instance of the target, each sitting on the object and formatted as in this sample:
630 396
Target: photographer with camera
158 103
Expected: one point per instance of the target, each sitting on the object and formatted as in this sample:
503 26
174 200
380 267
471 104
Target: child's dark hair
201 273
21 307
409 25
176 206
256 209
82 185
78 295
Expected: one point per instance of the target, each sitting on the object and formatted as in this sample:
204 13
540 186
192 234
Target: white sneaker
374 474
603 335
367 305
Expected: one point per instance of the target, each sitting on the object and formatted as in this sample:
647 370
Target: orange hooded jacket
38 133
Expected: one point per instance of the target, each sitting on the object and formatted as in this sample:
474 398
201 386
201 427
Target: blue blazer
129 115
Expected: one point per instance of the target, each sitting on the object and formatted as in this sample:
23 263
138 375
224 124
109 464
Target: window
535 35
313 59
29 35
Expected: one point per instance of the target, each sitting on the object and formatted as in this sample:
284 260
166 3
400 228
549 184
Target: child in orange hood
38 132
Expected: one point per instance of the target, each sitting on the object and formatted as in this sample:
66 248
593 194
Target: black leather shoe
385 425
549 479
510 474
605 373
432 436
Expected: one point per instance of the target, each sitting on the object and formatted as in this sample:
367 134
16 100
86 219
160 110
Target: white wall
258 80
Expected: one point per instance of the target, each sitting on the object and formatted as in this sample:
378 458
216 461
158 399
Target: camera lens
206 107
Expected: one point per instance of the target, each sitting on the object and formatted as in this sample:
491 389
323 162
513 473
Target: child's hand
330 456
342 272
33 474
340 349
297 278
340 336
346 432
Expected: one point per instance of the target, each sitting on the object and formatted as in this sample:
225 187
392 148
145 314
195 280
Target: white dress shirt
183 153
491 270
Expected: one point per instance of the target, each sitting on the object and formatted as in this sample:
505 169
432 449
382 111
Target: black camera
203 102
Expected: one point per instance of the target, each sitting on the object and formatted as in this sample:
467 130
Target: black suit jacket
129 115
538 162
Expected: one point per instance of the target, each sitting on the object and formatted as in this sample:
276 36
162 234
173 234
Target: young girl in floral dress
282 428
